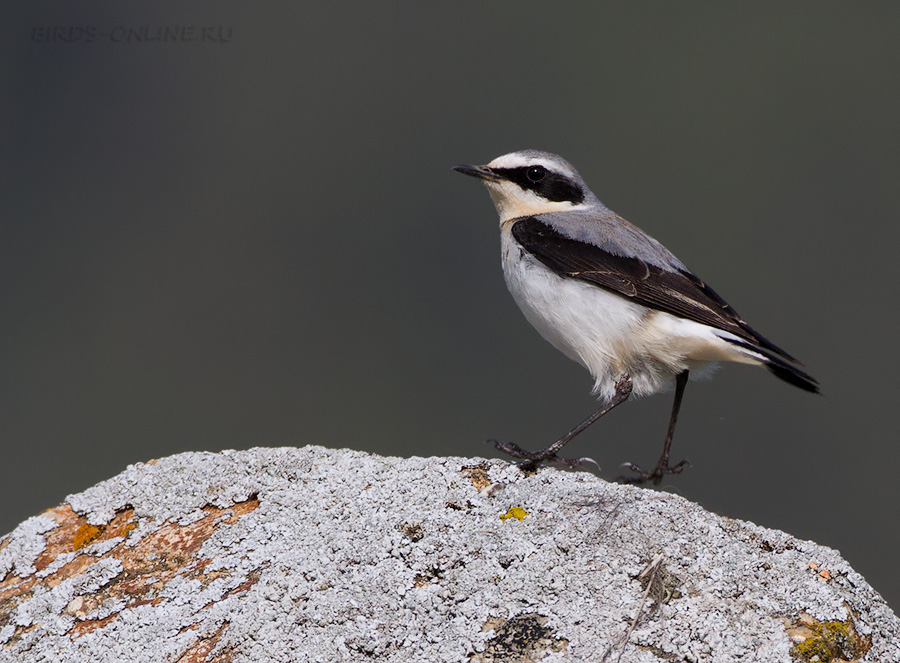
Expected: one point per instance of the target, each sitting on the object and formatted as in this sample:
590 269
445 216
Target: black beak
481 172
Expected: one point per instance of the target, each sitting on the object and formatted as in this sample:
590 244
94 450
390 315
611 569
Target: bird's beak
481 172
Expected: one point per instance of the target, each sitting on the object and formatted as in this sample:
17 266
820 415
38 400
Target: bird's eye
536 173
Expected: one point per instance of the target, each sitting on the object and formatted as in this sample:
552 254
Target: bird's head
531 182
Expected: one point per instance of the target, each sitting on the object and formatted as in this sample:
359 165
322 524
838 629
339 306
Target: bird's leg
534 458
662 467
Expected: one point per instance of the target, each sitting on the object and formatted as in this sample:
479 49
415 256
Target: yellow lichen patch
826 642
84 535
514 512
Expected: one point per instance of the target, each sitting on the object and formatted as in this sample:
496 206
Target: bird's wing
674 291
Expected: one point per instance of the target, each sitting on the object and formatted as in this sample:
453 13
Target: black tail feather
781 368
793 375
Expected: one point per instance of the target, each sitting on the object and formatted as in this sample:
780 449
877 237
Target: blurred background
247 232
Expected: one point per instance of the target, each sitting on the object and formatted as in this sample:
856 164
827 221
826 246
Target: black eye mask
543 182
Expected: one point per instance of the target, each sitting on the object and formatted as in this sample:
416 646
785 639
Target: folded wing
674 291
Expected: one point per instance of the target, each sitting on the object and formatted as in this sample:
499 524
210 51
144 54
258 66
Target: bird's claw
642 476
531 459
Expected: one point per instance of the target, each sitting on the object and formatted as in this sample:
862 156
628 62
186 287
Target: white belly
608 334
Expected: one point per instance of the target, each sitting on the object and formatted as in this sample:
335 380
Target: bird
612 298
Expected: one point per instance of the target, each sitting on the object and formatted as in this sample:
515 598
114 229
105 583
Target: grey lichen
317 554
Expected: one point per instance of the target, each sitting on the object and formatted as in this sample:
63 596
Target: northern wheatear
611 297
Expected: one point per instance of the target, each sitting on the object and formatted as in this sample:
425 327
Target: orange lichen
147 564
84 535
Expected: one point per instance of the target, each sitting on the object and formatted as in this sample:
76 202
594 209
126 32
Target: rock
332 555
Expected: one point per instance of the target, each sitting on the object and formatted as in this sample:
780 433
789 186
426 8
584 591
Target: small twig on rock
649 572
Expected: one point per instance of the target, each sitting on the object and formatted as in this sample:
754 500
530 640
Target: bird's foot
662 468
530 460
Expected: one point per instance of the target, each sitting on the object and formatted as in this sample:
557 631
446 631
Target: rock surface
332 555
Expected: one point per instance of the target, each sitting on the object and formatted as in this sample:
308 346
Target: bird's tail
777 365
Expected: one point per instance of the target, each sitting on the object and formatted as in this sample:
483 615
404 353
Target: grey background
260 242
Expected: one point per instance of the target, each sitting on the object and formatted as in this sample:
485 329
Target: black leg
662 467
534 458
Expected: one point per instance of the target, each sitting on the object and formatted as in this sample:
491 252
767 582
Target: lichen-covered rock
332 555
